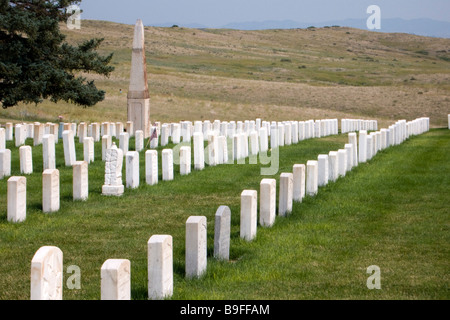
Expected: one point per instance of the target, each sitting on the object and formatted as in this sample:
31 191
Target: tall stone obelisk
138 96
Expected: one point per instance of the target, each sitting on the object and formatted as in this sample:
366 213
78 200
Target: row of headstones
369 146
17 191
351 125
36 131
220 150
115 273
47 263
289 131
48 151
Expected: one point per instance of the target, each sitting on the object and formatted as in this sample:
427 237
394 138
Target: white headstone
312 177
38 133
362 146
286 193
349 148
48 151
176 133
113 172
47 274
20 134
185 160
106 144
222 229
167 164
299 179
69 148
26 160
124 141
96 131
199 151
213 148
263 140
5 163
323 167
342 162
267 202
151 167
50 190
116 280
139 140
333 166
80 180
369 145
88 149
160 267
132 169
352 139
2 139
249 209
9 131
17 199
195 246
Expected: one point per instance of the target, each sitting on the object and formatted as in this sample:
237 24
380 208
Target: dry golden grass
272 74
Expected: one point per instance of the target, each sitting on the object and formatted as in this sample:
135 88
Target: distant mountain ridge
422 27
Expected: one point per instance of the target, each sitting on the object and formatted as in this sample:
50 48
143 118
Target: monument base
112 190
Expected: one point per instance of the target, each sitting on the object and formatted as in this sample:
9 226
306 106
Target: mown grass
391 212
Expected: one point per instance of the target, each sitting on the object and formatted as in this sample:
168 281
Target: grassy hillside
272 74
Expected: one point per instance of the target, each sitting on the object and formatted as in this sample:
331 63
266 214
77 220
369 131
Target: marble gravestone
113 172
47 274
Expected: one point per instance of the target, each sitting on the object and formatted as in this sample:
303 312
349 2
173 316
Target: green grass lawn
391 212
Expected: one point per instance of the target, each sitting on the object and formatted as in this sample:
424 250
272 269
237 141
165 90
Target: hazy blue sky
216 13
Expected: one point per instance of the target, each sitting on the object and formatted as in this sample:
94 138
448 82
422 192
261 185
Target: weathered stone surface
167 164
80 180
48 152
323 170
2 139
151 167
362 146
124 141
50 190
88 149
312 177
17 199
196 246
222 227
139 140
47 274
267 202
69 148
26 160
185 160
132 169
333 166
249 209
199 151
5 163
160 267
342 162
113 172
116 279
286 192
106 144
299 182
353 139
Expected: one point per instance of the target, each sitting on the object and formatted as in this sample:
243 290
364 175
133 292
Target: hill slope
225 74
